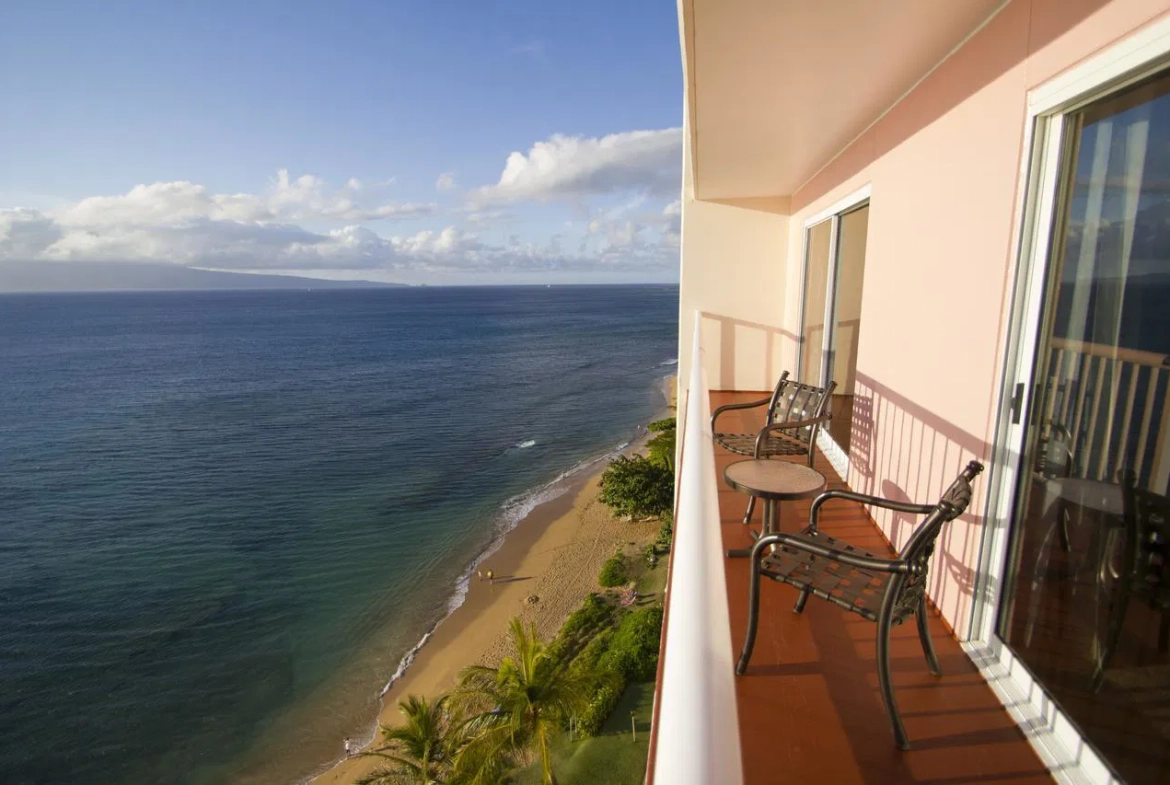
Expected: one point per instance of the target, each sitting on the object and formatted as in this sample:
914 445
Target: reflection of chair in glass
1055 459
794 415
882 590
1144 572
1055 467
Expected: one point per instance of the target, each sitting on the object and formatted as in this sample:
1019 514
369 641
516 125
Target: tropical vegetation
432 747
642 486
521 706
661 448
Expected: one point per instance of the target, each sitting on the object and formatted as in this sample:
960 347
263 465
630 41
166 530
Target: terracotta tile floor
809 708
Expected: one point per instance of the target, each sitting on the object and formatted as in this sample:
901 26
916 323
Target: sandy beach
554 555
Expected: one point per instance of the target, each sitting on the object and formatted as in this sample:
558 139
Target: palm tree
421 752
521 705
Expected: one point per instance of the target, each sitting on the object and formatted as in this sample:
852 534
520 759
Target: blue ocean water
225 517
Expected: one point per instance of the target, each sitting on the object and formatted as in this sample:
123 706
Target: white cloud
302 199
301 223
576 167
672 217
25 234
450 243
445 182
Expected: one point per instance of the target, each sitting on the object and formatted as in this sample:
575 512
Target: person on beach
491 577
480 574
348 747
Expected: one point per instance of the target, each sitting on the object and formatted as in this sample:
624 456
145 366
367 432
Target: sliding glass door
1085 605
831 316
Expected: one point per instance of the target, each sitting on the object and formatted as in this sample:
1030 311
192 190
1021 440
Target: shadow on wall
898 449
734 348
905 452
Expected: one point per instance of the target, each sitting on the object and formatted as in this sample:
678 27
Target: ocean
227 517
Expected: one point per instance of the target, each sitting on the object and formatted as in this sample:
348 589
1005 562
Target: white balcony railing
696 725
1116 404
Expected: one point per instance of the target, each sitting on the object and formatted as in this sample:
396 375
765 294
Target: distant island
134 276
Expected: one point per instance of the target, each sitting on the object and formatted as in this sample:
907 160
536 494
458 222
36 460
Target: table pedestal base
771 526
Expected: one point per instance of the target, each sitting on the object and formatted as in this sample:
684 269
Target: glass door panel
1086 605
846 320
816 286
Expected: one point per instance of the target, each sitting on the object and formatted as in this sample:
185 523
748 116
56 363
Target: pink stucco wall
944 168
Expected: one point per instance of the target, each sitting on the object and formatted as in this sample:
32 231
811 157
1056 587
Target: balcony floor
809 707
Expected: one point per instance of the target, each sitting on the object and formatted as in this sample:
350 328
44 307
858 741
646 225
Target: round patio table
774 482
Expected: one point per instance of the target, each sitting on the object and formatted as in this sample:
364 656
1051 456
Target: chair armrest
730 406
786 426
876 501
853 560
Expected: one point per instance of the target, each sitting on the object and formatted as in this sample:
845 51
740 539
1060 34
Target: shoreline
554 553
565 487
477 631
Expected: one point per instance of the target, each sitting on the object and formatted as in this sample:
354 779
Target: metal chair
1145 568
794 415
883 590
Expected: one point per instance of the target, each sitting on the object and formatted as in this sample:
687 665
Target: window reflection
1088 609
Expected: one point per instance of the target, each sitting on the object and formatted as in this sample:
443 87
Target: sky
416 141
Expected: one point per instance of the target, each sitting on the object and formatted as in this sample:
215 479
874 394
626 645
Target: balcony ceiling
778 87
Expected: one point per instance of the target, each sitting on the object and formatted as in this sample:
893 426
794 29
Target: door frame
855 200
1056 739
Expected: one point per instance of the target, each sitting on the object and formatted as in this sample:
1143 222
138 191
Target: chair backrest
794 401
1054 453
1147 535
919 549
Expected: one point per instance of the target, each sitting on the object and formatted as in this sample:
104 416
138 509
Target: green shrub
589 657
593 617
605 699
661 447
633 651
613 572
637 487
606 684
665 532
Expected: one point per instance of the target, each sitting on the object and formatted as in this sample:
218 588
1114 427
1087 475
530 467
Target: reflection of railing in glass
1115 403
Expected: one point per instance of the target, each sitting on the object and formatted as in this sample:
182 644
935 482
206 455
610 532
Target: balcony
808 709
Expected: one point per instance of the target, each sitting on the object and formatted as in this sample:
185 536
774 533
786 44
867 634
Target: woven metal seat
883 590
795 413
773 444
853 588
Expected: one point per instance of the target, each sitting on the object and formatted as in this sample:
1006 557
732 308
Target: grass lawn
611 757
652 581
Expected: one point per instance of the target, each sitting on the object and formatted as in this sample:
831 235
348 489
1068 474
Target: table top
1096 495
774 479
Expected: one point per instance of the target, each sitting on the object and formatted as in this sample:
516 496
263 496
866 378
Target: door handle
1017 403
